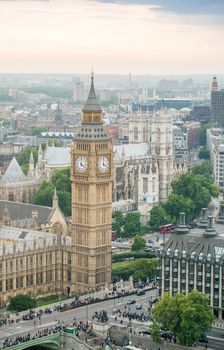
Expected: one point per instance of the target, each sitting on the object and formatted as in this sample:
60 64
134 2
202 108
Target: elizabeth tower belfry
91 177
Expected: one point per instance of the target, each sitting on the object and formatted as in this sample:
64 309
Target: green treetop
188 316
138 244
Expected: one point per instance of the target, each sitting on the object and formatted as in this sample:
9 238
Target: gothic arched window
158 135
135 133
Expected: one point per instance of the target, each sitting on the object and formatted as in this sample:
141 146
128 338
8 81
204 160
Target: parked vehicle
140 292
131 301
138 306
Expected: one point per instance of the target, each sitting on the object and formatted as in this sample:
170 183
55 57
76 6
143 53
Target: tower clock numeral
81 164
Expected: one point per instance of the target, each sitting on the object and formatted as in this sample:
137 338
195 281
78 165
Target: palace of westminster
41 253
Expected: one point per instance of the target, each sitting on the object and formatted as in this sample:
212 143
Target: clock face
81 164
103 164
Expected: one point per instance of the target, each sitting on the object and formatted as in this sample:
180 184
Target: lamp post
87 311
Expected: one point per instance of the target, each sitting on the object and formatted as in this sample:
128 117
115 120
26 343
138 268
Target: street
82 313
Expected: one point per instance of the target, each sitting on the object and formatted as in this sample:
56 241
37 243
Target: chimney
210 231
203 221
182 227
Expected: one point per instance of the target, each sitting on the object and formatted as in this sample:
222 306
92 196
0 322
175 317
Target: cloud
191 7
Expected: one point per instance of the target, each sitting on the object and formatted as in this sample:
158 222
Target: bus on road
168 228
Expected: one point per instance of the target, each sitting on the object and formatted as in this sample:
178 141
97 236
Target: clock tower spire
91 176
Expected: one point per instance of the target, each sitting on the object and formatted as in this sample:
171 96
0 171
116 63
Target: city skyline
138 36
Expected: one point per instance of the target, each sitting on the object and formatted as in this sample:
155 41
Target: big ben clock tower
91 176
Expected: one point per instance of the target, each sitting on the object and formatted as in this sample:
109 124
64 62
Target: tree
204 154
188 316
139 269
203 132
38 129
158 217
138 244
117 222
132 225
61 180
176 204
23 157
194 187
22 302
155 333
44 194
126 225
203 169
145 268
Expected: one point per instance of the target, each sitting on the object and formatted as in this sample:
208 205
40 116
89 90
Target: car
138 306
131 301
203 339
148 249
140 292
144 331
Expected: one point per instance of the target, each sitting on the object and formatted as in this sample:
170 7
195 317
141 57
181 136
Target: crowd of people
25 338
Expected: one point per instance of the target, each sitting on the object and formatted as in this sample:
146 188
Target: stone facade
33 263
34 217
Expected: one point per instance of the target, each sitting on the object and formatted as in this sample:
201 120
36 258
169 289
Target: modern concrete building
194 260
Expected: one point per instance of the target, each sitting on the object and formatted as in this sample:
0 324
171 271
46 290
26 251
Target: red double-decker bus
168 228
113 235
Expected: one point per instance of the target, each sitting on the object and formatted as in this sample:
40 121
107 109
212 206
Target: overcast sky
114 36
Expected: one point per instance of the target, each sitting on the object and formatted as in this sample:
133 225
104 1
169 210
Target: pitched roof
92 105
14 173
22 211
58 156
132 149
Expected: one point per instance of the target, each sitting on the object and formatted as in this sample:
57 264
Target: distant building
105 95
7 152
177 103
79 92
193 130
200 114
180 145
58 115
168 84
215 145
217 104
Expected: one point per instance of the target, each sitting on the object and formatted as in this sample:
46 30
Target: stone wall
71 342
144 342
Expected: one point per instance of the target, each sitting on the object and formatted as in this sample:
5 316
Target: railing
53 340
